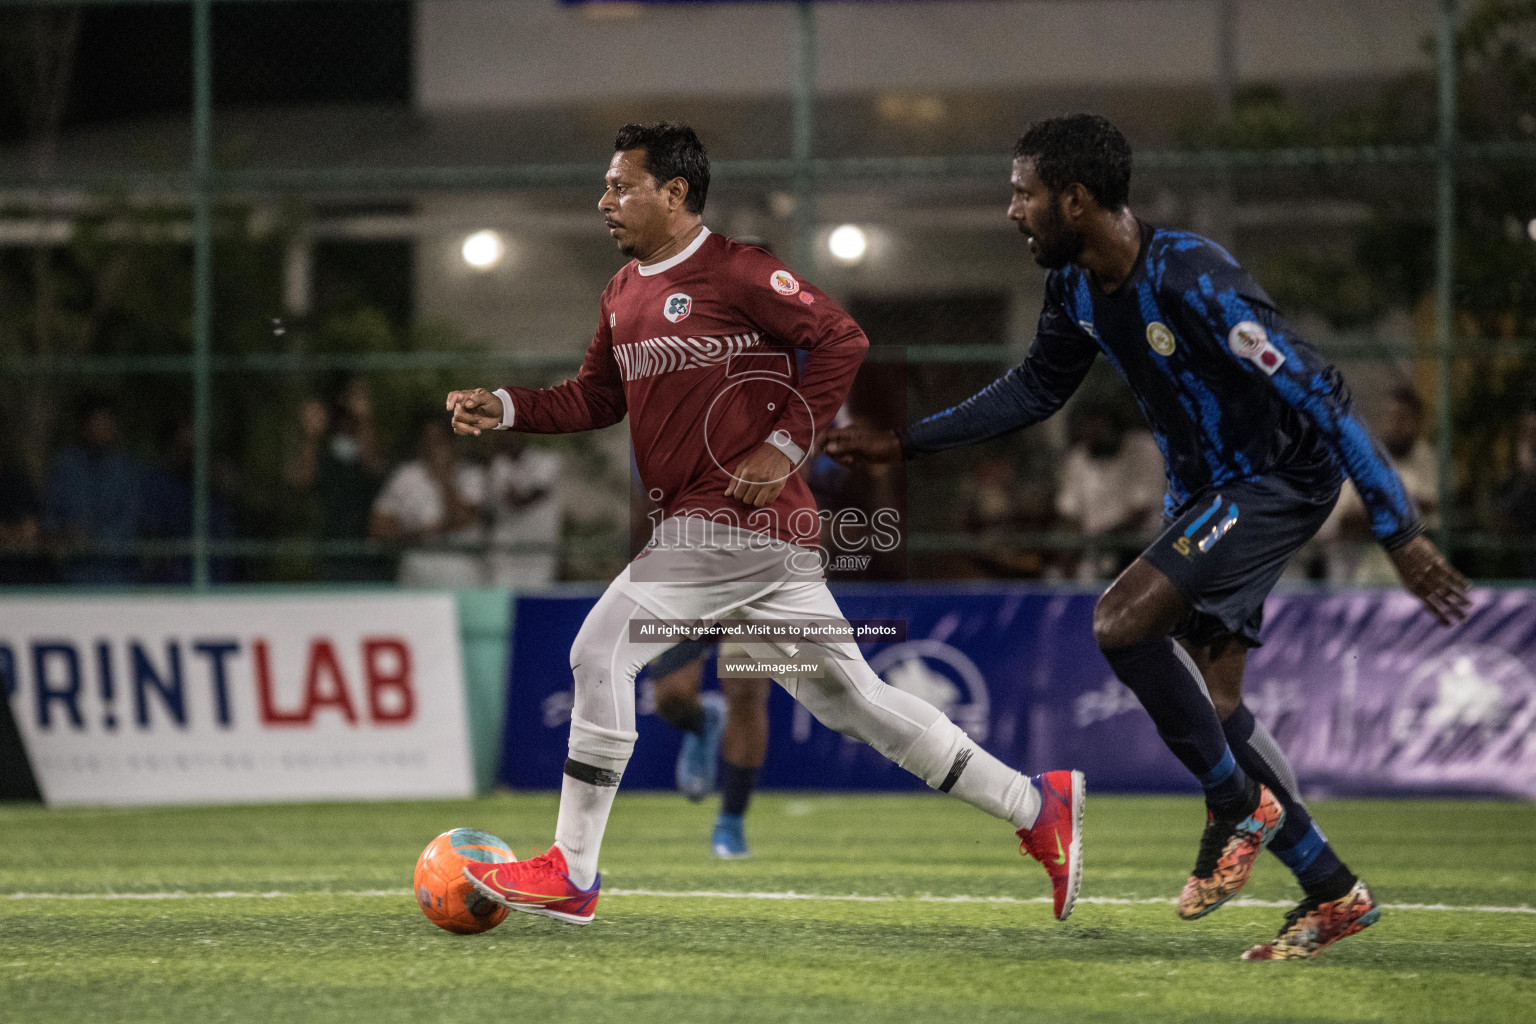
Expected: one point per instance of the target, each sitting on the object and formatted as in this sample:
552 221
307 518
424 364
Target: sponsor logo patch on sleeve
1249 340
783 282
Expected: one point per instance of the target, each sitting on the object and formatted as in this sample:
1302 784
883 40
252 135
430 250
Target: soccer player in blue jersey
1257 431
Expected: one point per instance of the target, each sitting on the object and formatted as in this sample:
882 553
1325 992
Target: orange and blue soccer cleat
1057 837
538 886
1315 924
1228 848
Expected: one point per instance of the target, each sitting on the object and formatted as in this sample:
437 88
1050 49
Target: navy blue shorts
1227 547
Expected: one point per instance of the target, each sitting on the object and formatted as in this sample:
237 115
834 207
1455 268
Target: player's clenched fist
760 477
854 445
474 411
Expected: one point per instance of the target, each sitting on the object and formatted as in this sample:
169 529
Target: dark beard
1059 249
1056 246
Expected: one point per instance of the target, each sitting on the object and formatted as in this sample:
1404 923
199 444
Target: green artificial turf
317 922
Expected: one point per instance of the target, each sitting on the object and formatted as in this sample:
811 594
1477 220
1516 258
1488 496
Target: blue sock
1183 714
1300 844
736 785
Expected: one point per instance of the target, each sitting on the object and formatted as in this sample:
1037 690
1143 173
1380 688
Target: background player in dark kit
726 733
1257 432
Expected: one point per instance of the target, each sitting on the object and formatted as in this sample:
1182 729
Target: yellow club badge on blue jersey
1160 338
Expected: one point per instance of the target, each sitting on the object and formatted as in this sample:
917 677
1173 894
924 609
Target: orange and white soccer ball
446 897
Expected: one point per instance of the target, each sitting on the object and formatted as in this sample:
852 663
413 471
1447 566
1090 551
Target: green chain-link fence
236 229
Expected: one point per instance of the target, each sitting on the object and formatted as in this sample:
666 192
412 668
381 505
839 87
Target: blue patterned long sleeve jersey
1227 386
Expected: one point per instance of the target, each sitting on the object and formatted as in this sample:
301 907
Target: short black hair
672 150
1081 148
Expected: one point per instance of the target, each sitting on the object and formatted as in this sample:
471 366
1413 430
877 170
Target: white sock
994 787
950 761
579 830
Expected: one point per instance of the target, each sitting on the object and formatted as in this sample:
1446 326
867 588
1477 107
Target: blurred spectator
1111 483
337 460
525 508
167 509
1000 504
429 503
1350 552
21 528
1515 506
95 495
863 513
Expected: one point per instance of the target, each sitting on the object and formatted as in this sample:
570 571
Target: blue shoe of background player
697 762
727 839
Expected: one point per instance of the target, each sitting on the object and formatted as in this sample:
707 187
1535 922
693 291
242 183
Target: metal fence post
202 280
1445 258
803 67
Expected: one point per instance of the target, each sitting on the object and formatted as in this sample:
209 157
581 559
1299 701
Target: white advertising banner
205 700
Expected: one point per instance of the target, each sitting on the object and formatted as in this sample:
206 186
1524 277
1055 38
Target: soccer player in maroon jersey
694 342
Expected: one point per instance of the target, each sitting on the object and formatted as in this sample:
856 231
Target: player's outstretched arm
1057 362
1433 580
854 446
474 411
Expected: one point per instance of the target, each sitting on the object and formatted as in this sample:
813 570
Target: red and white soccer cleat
538 886
1057 838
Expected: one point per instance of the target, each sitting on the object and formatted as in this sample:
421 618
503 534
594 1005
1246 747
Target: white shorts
697 571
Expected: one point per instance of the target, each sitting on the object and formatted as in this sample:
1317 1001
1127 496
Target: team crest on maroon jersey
677 307
783 282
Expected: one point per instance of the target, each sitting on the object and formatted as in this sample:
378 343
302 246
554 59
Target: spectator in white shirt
525 507
1351 553
1111 482
430 504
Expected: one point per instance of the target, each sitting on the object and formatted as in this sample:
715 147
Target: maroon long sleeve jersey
699 350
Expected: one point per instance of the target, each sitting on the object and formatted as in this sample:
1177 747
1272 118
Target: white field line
706 894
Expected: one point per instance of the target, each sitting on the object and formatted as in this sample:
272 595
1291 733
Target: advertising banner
979 655
1368 695
238 699
1364 691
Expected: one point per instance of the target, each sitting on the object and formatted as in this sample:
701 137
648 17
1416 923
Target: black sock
736 785
691 720
1335 886
1183 714
1300 844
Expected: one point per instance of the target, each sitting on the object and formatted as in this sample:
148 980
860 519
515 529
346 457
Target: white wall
500 53
536 53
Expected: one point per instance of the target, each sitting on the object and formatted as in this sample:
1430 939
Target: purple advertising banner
1364 691
1367 694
